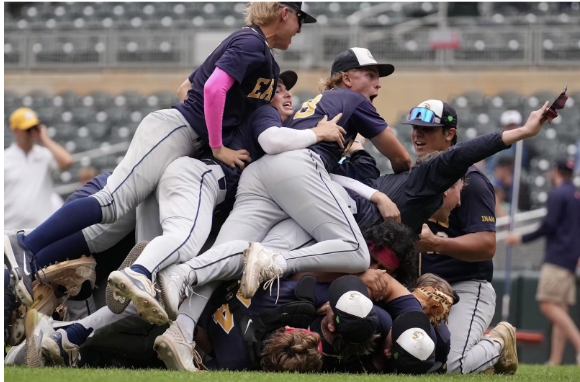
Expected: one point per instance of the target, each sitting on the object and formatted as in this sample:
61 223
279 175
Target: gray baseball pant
295 184
468 320
161 137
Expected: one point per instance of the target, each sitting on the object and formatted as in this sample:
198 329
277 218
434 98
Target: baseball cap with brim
23 119
356 58
289 77
564 164
433 113
413 348
298 5
355 318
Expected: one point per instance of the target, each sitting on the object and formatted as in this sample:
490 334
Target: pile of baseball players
263 236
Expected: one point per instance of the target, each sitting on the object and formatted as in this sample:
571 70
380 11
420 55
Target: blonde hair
331 82
429 279
261 13
295 351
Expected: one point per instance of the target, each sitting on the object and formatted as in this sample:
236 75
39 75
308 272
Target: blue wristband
359 142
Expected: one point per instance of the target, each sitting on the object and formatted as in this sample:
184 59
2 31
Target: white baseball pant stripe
468 320
161 137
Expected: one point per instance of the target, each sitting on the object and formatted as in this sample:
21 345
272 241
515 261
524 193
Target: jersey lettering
439 234
488 219
308 108
256 93
224 318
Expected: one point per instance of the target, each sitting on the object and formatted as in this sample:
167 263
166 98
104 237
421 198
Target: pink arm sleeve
214 100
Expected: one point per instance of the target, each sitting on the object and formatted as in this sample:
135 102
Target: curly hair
348 350
296 351
331 82
432 154
401 240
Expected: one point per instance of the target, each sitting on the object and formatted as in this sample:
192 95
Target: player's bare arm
62 157
182 91
478 246
389 146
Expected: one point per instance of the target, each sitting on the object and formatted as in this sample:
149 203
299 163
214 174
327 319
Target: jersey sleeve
367 120
360 166
385 322
264 118
477 211
244 54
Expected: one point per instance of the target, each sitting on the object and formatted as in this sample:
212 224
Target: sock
281 262
71 247
78 334
70 218
187 326
141 270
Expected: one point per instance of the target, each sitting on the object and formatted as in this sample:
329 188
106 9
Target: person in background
503 177
510 119
557 285
86 174
28 195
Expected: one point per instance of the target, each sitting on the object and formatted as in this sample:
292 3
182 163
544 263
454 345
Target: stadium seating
99 119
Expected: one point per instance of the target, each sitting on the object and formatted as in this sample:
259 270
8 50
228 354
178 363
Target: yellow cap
23 119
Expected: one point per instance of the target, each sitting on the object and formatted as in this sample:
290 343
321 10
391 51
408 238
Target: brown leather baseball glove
435 303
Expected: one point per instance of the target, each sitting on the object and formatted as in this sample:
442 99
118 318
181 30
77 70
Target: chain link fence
315 47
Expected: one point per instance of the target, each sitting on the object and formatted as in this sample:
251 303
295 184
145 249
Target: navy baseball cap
433 113
355 318
298 6
564 164
289 77
356 58
413 349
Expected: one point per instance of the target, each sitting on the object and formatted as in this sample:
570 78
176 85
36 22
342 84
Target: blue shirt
228 347
358 116
561 226
245 56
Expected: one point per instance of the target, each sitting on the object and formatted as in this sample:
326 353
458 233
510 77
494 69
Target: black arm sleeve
360 166
441 172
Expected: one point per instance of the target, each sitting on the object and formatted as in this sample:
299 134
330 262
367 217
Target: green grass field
527 373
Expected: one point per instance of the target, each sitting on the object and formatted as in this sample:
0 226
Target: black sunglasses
33 128
298 14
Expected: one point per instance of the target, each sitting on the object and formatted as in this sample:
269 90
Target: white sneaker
59 351
16 355
38 326
259 267
139 289
172 282
174 350
505 335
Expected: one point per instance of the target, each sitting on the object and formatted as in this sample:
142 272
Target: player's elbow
402 163
488 246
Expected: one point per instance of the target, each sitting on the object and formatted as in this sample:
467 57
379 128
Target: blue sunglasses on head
424 114
298 14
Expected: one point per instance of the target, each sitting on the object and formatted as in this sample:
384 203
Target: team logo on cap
370 55
427 106
418 335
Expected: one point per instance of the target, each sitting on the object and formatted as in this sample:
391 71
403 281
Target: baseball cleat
21 265
59 351
139 289
38 327
44 302
118 304
505 335
71 274
259 267
174 350
172 282
17 332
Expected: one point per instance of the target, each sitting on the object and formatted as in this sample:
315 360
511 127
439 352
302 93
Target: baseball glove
435 303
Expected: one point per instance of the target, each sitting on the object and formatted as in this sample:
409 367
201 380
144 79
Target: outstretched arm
389 146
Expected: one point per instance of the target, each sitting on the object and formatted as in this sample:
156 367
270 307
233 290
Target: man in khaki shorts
557 286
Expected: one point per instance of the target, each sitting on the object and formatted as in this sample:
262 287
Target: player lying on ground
236 79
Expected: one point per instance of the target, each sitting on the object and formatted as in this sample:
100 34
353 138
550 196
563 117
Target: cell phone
558 104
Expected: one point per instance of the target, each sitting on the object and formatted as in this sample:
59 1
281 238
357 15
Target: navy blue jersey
245 137
358 116
443 346
403 304
333 363
246 56
418 193
561 226
476 214
228 347
91 187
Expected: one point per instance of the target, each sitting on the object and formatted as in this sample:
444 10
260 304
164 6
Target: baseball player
237 78
460 248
